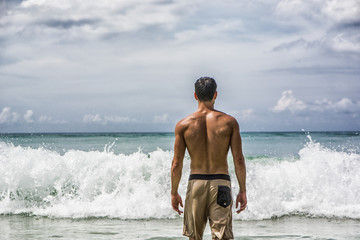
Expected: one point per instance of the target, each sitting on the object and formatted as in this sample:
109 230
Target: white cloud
47 119
247 114
43 119
91 19
213 31
292 7
340 42
164 118
345 43
342 10
343 105
117 119
152 49
324 10
97 118
7 116
289 102
296 44
92 118
339 21
29 116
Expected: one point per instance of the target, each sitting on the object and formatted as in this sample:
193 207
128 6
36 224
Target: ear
195 96
215 95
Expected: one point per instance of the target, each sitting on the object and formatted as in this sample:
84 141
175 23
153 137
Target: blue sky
77 66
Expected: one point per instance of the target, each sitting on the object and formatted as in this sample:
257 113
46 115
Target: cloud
164 118
29 116
319 10
221 29
97 118
244 115
91 19
49 120
295 44
346 41
339 20
117 119
337 40
319 70
342 10
288 102
247 114
44 119
67 23
344 105
92 118
153 49
8 117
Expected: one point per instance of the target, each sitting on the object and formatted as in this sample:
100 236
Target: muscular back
207 137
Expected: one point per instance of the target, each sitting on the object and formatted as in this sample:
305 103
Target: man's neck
205 106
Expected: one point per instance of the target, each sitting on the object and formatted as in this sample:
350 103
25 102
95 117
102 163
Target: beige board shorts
208 196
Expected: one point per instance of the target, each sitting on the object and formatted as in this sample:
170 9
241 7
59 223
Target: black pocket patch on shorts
224 196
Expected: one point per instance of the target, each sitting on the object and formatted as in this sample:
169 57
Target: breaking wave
79 184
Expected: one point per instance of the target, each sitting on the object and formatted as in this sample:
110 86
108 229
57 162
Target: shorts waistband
209 176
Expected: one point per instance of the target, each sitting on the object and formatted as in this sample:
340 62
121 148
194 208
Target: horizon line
154 132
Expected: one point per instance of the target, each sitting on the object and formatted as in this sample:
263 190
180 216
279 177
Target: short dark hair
205 88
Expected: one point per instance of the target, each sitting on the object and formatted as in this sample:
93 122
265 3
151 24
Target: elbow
176 166
239 161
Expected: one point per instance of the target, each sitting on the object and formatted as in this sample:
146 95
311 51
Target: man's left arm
176 167
239 164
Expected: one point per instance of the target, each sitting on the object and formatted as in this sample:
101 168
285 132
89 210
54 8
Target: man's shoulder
184 123
228 118
186 119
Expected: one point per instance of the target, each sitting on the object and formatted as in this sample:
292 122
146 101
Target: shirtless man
208 134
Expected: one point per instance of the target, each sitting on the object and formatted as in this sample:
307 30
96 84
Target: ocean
300 185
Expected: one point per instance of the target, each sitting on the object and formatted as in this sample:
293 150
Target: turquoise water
254 143
125 143
117 181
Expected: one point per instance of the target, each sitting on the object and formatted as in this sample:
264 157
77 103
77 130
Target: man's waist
209 176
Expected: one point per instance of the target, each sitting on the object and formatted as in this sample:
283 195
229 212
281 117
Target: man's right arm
176 167
239 163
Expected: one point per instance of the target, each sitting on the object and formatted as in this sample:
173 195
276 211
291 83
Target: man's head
205 89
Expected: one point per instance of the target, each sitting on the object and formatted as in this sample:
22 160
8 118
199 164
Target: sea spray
321 183
85 184
80 184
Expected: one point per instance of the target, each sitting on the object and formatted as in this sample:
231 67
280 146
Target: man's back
207 136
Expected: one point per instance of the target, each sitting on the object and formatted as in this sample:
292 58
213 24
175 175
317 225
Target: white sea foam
321 183
84 184
80 184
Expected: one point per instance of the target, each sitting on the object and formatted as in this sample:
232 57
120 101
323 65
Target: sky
130 65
